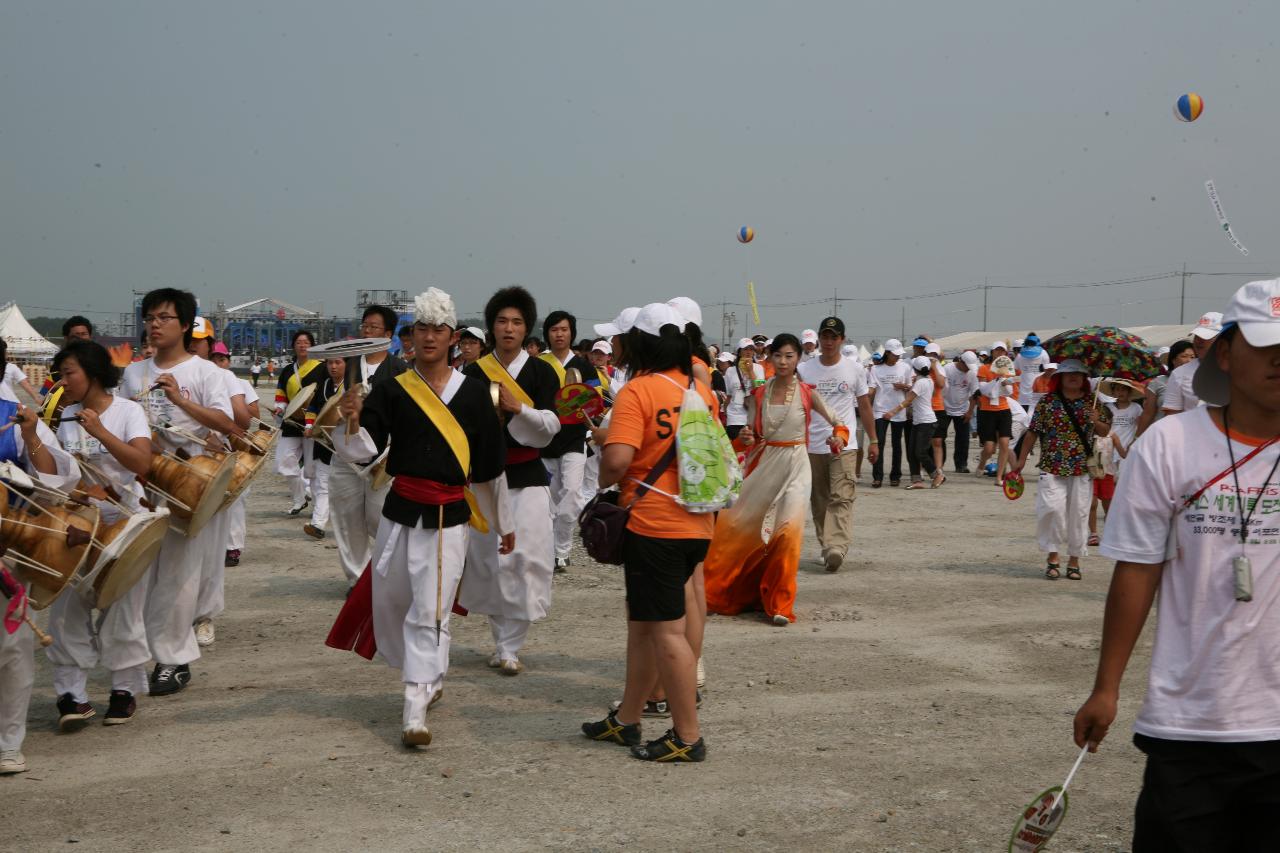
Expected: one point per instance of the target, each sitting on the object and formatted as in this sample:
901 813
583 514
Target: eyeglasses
372 327
161 319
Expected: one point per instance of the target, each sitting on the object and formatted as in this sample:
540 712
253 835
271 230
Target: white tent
1156 336
23 340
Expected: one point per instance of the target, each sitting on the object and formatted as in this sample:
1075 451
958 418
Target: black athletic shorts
656 571
993 425
940 427
1202 795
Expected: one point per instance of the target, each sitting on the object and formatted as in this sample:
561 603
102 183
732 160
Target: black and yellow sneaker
611 730
670 748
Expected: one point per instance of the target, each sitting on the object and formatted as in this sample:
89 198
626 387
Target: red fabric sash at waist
423 491
517 455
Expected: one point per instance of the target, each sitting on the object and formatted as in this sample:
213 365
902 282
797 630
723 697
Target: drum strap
454 436
497 373
52 406
294 383
550 358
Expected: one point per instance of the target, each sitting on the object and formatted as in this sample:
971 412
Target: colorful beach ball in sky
1188 107
746 234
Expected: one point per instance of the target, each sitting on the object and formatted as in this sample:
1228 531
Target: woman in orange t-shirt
664 544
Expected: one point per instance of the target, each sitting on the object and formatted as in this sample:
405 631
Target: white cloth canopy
1156 336
23 340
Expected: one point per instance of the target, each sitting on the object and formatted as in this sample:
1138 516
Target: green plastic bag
710 476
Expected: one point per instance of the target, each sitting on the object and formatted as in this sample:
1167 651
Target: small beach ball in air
1188 107
746 234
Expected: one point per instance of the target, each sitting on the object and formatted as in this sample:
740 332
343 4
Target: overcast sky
604 154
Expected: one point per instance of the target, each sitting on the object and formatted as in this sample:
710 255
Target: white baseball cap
920 362
201 328
1017 343
849 351
893 345
969 358
655 315
688 309
1255 310
472 331
808 336
746 343
725 356
984 352
620 325
602 346
1210 324
999 345
931 347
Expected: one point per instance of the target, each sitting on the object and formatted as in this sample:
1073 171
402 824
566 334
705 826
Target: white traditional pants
17 674
414 568
173 593
590 478
567 474
356 511
118 641
320 495
235 522
1062 513
213 575
513 589
294 462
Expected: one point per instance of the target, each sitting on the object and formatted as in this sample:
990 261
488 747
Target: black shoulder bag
603 523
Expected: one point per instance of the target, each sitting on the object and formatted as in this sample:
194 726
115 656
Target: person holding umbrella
1066 420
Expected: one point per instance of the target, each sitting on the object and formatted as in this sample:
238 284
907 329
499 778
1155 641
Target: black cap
832 324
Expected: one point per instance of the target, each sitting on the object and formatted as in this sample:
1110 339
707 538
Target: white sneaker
702 674
12 761
204 633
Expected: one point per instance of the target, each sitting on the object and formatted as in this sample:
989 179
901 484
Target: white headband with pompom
435 308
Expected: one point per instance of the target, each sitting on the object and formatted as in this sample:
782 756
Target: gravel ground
923 697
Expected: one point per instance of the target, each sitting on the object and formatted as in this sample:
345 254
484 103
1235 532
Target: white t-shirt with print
957 394
840 385
883 378
199 381
1029 370
124 419
735 413
922 404
1124 424
1215 675
1177 393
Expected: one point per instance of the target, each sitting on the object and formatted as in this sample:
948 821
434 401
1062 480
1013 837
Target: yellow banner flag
755 309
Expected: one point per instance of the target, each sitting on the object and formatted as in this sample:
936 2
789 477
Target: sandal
938 481
877 484
1052 571
916 485
1073 573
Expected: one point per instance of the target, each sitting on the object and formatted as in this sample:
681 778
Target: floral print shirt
1061 452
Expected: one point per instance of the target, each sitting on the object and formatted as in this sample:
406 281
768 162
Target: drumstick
45 639
52 421
439 569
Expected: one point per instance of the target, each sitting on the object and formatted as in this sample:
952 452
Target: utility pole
1182 303
985 288
904 322
835 304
